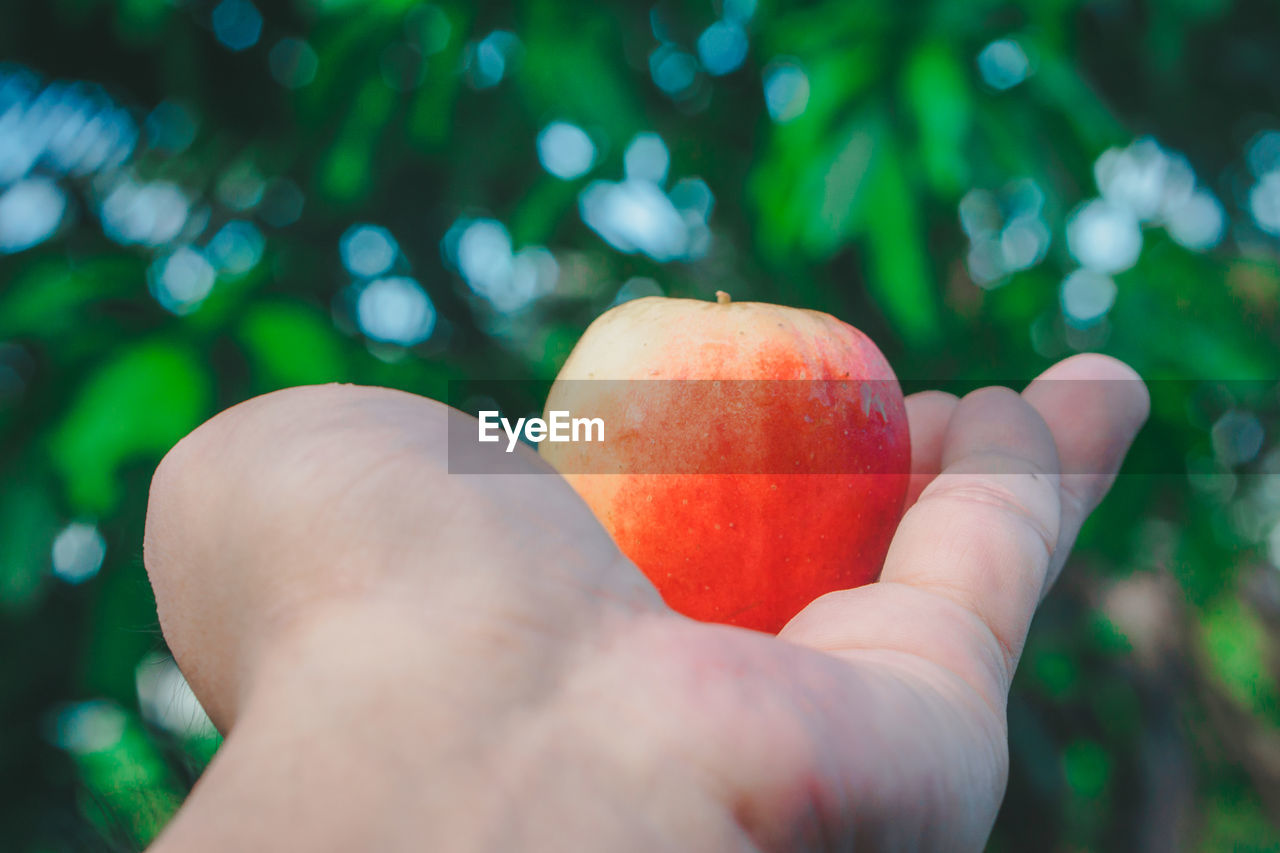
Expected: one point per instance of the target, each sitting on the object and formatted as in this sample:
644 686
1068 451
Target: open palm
408 659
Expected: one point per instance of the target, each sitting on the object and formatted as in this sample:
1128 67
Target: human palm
409 659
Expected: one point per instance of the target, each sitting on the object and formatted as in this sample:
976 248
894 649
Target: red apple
743 499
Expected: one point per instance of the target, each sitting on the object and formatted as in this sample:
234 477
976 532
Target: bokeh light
1142 183
482 252
722 47
534 272
236 248
78 552
985 262
487 61
635 216
149 214
1003 64
240 186
18 152
86 727
1144 178
171 127
1263 153
674 71
738 10
786 90
1264 202
282 203
979 213
166 699
565 150
1237 437
78 128
73 128
637 287
237 24
647 159
181 280
1198 223
1087 296
1104 237
367 250
1023 243
1006 229
293 63
30 212
395 310
693 195
1273 547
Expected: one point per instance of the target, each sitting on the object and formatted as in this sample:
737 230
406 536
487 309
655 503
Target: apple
755 456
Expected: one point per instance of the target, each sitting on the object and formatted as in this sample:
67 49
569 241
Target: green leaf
798 205
571 66
1087 768
28 522
347 171
1056 672
836 183
52 298
142 20
431 112
935 86
1057 84
292 344
542 209
129 784
1235 821
136 406
899 274
1236 642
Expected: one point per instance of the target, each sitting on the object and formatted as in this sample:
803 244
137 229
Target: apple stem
722 298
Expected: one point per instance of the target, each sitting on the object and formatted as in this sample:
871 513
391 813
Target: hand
405 659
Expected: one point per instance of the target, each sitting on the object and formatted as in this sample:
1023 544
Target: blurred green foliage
1145 715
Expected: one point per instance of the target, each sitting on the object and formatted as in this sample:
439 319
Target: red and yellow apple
755 456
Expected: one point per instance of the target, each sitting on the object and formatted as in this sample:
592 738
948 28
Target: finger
1094 405
984 532
928 414
970 559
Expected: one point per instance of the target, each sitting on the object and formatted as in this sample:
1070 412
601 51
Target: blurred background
204 200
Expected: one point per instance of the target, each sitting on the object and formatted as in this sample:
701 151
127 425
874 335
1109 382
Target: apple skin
722 533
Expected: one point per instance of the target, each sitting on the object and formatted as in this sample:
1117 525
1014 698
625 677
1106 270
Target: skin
405 659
